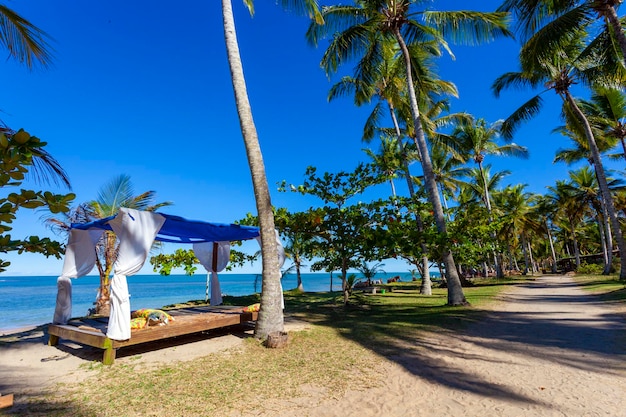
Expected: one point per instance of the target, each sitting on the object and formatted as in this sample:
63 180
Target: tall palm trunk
271 313
455 290
426 286
496 256
602 183
554 270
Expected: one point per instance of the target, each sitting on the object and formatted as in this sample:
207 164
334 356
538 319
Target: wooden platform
92 331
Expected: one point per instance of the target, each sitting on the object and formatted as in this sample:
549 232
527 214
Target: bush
590 269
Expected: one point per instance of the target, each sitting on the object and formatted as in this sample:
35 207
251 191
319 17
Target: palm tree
568 17
111 197
517 213
370 24
370 271
271 314
581 151
607 113
559 72
383 78
475 140
448 169
25 42
387 160
570 212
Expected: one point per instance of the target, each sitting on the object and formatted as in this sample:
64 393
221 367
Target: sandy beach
545 349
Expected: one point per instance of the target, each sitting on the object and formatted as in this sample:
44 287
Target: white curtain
136 231
205 252
80 258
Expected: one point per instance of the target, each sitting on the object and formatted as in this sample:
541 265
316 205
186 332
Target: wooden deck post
109 352
53 340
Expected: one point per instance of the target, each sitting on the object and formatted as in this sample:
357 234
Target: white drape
204 251
80 258
136 231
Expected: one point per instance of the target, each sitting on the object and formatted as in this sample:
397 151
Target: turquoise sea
29 300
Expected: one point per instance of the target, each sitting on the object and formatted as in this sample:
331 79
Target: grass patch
221 382
344 348
608 288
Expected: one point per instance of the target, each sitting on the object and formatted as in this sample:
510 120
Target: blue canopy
180 230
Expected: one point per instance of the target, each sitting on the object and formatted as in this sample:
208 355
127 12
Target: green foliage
19 152
590 269
185 258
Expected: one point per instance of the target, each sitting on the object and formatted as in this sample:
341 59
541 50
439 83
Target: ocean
29 300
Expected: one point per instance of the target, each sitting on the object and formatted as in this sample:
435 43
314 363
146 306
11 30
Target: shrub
590 269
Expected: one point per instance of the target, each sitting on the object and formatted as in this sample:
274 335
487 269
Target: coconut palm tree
361 28
567 17
271 314
476 139
516 209
570 213
381 77
607 113
567 65
25 42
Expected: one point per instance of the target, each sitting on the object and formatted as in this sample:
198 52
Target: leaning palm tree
568 65
25 42
368 24
271 314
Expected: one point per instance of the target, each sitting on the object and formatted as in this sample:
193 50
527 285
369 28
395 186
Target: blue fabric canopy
180 230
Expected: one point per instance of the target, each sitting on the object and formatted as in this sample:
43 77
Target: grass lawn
343 348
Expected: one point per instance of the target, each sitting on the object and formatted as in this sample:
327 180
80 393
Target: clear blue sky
143 88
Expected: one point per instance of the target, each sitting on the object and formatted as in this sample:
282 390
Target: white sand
547 349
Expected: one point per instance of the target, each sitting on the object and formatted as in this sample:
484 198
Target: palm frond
24 41
469 27
308 8
525 112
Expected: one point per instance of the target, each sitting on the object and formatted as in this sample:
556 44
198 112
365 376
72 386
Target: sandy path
546 350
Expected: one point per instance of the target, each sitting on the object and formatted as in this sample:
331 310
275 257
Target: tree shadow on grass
396 331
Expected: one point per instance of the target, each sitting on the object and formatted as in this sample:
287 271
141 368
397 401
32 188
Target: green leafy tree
21 155
341 226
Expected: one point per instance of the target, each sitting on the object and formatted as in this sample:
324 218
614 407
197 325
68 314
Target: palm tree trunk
610 14
496 255
576 253
271 313
455 290
426 287
554 270
299 275
602 183
533 265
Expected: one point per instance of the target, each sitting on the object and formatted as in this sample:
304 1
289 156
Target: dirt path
546 350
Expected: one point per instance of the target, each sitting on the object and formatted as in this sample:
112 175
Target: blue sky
143 88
